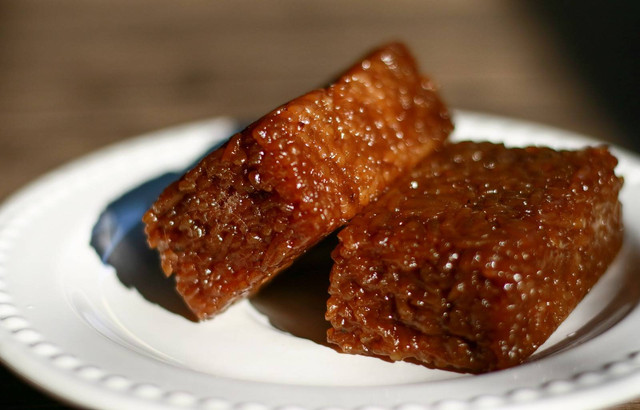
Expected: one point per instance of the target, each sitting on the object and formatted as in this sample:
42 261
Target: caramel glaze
250 208
472 260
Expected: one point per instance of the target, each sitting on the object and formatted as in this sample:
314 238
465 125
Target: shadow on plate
138 267
295 301
118 239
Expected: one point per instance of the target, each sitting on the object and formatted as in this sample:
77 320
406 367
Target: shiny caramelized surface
473 259
278 187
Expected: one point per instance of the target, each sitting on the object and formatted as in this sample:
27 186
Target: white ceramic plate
78 329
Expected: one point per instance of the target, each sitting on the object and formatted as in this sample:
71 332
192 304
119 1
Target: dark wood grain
76 76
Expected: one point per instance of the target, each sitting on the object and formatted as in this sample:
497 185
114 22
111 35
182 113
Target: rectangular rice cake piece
275 189
471 261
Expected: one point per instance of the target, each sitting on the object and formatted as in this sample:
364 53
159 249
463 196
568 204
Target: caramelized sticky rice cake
472 260
250 208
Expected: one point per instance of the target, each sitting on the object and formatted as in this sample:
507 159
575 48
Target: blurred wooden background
76 76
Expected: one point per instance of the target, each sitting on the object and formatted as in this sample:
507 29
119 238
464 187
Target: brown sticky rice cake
250 208
473 259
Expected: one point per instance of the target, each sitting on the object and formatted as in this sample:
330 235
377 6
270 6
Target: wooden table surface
76 76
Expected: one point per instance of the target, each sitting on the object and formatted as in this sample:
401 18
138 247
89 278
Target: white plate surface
69 324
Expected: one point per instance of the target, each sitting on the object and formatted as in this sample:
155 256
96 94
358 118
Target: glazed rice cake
472 260
250 208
